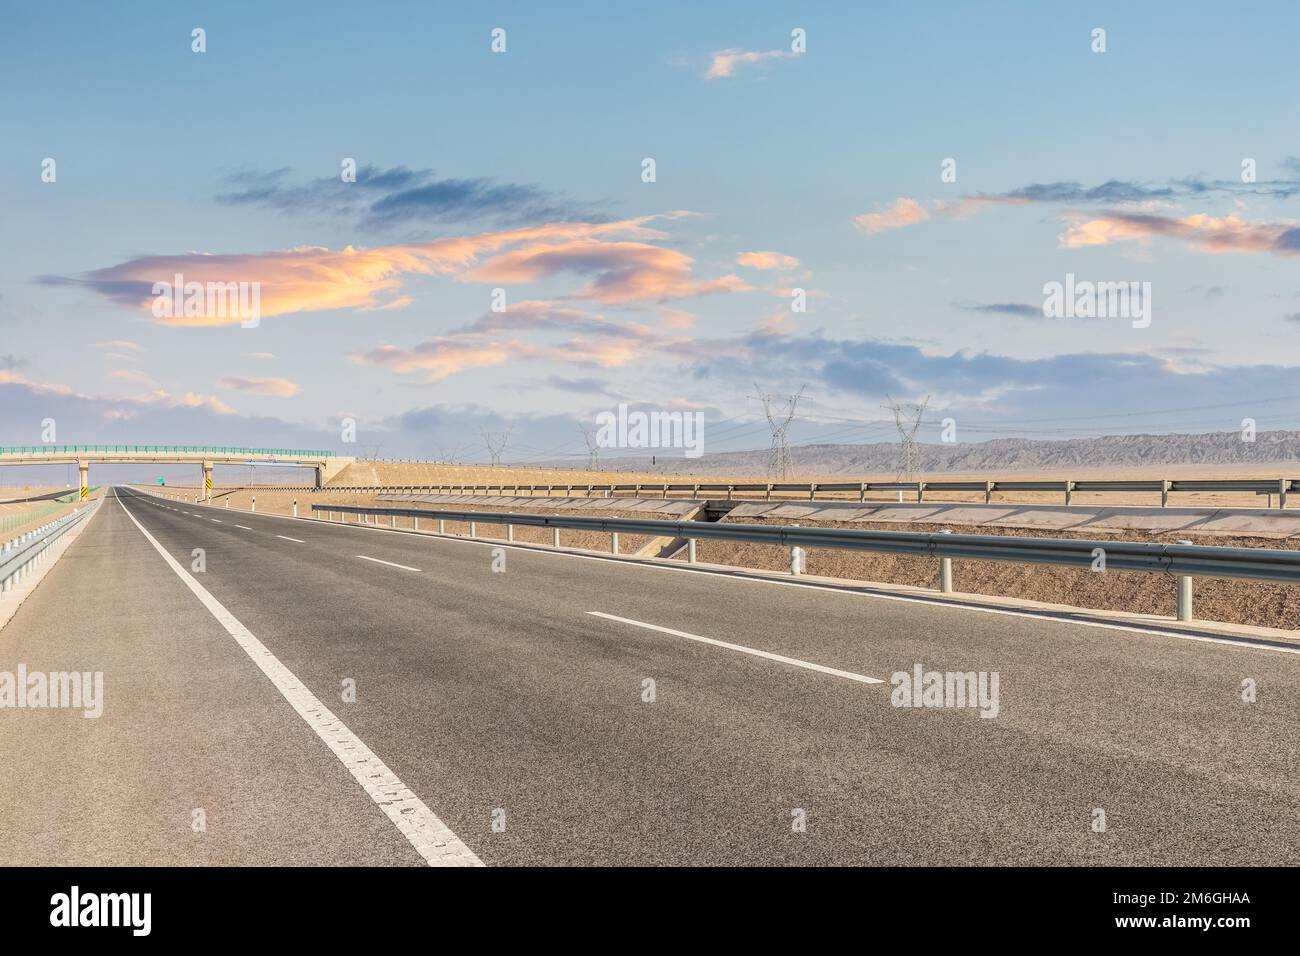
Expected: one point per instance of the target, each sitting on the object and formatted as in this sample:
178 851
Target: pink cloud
622 272
766 260
277 387
902 212
314 279
1213 234
724 62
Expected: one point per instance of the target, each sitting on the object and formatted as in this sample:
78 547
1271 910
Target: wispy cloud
1213 234
121 345
766 260
381 198
724 63
1019 309
132 375
315 279
621 272
902 212
277 387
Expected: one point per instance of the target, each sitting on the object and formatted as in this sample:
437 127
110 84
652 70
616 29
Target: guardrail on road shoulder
1183 560
17 557
1163 487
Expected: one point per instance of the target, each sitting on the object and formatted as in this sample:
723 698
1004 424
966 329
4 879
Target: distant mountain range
999 455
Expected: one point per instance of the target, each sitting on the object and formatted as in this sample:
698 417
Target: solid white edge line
794 661
390 564
850 588
432 838
243 528
294 540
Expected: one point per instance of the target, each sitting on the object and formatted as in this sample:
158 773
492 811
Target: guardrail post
415 522
1184 594
1282 485
472 528
510 532
1184 597
1069 492
988 492
392 521
555 537
613 542
945 571
690 550
442 525
862 491
1164 493
798 560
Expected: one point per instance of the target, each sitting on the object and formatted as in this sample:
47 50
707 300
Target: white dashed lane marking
795 662
389 563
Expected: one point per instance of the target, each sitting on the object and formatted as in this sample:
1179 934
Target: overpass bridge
325 463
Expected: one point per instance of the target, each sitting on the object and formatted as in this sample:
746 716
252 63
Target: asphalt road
521 720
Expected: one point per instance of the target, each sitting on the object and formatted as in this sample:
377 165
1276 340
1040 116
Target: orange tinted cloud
1212 234
598 342
443 356
622 271
903 212
725 62
766 260
314 279
278 387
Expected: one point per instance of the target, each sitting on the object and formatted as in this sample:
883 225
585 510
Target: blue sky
1117 166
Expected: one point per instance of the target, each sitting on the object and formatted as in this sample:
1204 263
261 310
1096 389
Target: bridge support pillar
207 482
84 468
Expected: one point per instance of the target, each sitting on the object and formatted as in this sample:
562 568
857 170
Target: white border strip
431 838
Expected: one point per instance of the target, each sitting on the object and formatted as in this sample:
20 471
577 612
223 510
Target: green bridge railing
161 450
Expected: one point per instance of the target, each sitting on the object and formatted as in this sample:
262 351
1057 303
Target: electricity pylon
779 422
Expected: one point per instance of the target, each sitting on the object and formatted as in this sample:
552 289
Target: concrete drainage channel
25 559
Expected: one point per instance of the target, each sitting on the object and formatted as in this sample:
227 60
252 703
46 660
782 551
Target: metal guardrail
917 489
18 556
1183 560
160 449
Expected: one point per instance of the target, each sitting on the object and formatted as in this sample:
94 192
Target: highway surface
508 716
